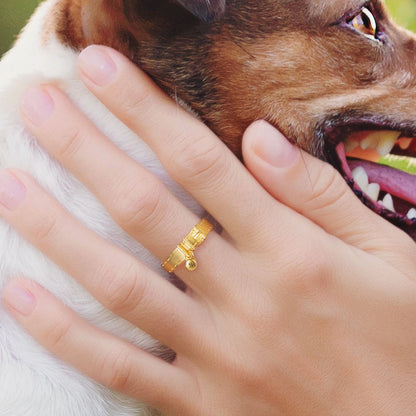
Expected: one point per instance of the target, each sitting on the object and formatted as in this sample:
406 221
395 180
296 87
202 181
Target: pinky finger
109 360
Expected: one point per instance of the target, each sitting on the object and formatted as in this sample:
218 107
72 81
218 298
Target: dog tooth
405 143
350 145
387 142
371 141
380 140
373 191
411 214
368 142
360 177
388 202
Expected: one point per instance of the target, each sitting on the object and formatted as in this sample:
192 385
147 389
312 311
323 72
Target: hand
304 305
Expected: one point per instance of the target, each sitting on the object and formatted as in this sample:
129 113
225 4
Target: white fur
32 381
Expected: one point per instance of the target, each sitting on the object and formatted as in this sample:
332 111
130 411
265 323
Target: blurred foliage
13 16
14 13
404 12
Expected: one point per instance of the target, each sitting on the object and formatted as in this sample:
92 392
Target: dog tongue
395 182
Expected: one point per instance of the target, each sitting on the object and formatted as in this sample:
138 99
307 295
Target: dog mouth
378 161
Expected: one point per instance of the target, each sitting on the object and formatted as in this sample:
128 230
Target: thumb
314 189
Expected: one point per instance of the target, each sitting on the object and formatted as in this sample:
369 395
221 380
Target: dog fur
295 63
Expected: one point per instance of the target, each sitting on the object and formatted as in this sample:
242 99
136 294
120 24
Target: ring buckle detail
184 252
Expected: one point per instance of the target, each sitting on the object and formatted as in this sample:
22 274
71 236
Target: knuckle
251 377
71 143
141 102
45 228
328 188
116 370
313 273
202 160
247 374
58 334
138 205
124 290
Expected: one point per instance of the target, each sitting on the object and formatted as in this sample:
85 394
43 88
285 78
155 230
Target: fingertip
37 105
96 65
263 141
19 297
12 190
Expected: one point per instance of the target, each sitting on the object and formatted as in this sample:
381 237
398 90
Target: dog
338 78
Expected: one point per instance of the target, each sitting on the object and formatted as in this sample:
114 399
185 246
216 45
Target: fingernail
19 299
12 191
37 105
271 146
97 65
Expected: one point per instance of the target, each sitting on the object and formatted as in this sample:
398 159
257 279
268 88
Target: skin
304 304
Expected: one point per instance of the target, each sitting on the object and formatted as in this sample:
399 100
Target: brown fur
291 62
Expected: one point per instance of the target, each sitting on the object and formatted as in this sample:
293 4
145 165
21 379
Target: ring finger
114 277
138 201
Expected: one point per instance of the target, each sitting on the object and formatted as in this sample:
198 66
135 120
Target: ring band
184 252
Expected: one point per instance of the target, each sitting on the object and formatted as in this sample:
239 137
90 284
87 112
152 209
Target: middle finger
138 201
115 278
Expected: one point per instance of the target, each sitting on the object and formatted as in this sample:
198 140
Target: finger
188 150
316 190
109 360
138 201
112 276
131 193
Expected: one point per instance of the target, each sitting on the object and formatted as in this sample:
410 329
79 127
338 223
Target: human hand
303 305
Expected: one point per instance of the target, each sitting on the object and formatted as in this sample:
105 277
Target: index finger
191 154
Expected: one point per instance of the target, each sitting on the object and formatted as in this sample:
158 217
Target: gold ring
184 252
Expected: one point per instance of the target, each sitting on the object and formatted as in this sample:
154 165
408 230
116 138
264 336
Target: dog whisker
243 49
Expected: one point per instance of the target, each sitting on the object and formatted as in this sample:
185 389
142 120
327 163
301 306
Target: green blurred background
14 13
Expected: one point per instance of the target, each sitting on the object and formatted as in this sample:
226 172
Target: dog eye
365 23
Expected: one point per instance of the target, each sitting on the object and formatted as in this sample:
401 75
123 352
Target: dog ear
123 24
205 10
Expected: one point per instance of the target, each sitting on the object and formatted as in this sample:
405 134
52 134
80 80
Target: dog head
336 77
